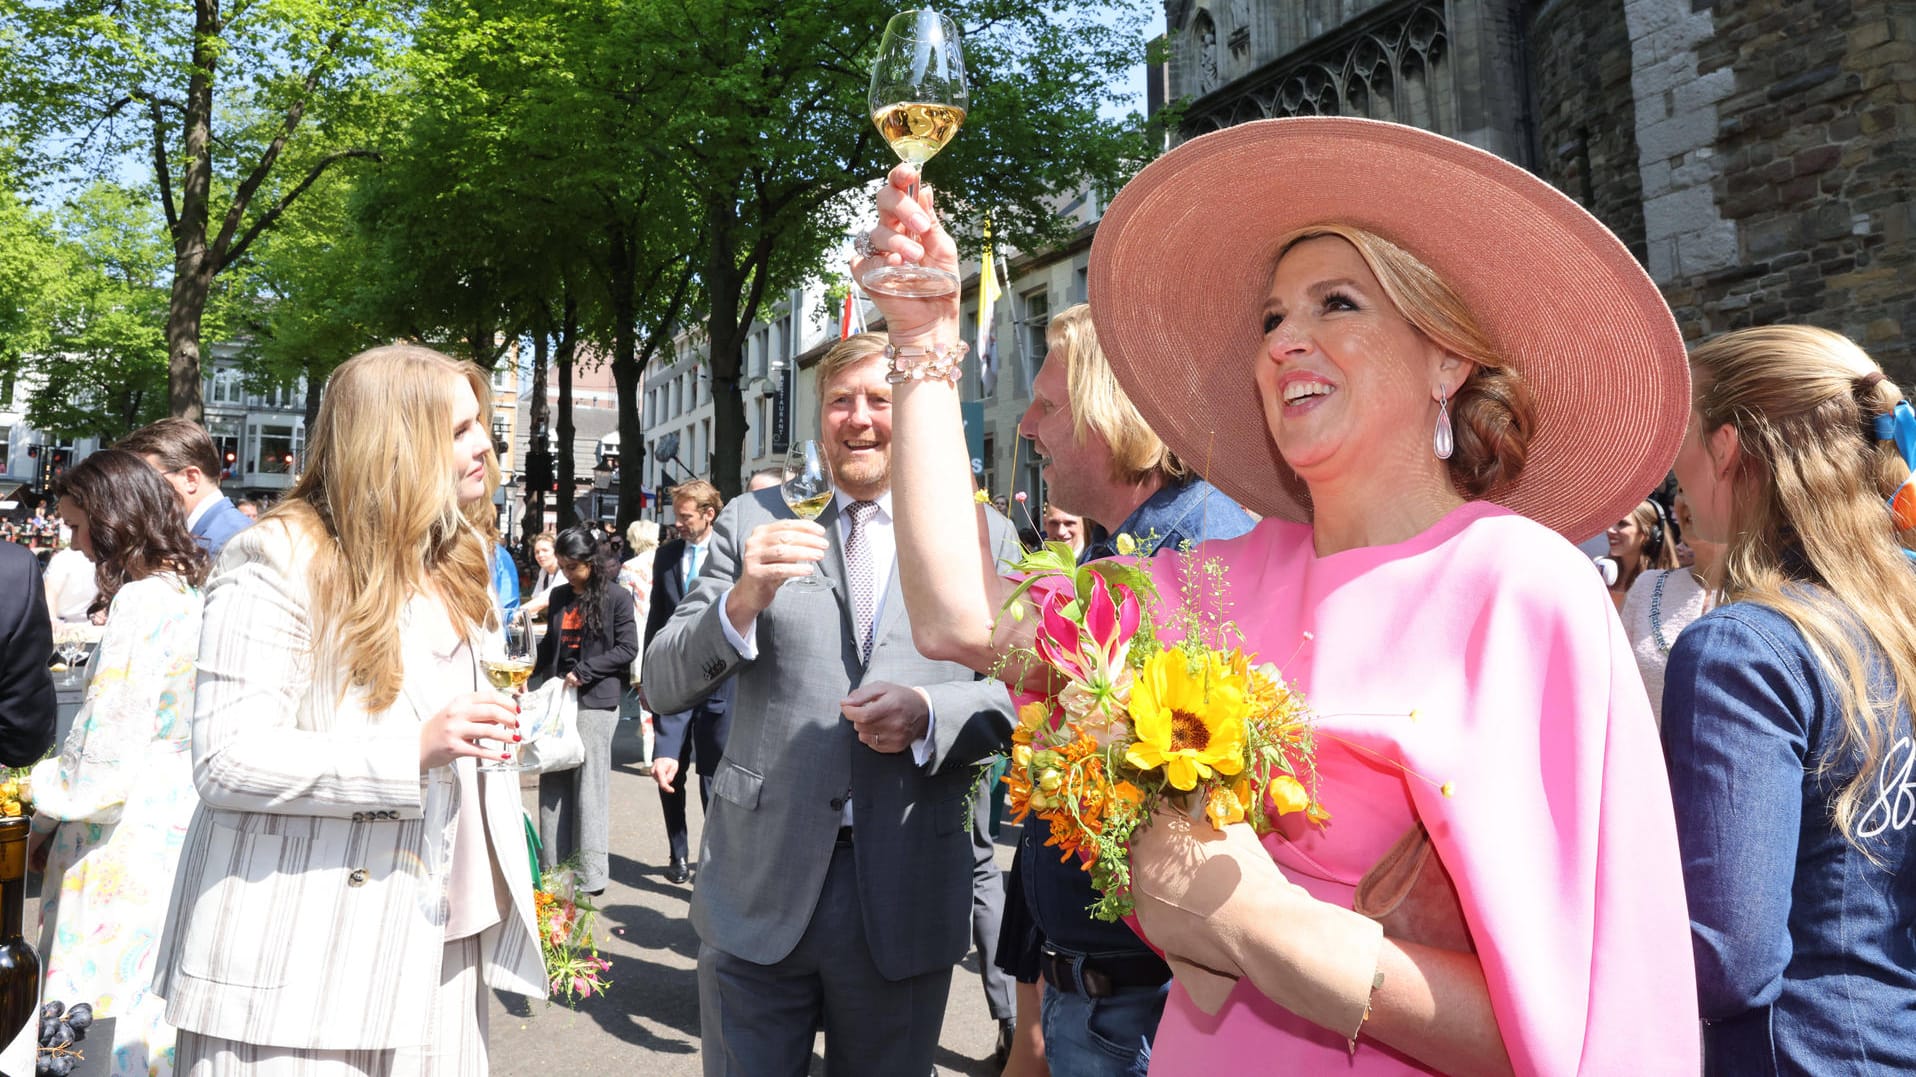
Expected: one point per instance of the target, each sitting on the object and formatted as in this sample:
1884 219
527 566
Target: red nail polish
517 738
505 757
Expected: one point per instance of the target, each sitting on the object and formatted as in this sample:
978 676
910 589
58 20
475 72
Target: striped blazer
309 910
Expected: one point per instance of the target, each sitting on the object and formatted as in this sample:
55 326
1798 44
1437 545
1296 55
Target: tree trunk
568 351
538 418
622 279
723 283
193 267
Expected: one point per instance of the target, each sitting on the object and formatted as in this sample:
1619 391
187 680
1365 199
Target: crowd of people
1643 815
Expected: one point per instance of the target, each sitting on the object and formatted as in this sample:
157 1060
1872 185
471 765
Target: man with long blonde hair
1105 464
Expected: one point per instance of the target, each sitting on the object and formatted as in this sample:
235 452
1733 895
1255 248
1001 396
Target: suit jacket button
838 803
357 878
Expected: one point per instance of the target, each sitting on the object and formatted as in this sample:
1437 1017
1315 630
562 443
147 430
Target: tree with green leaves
233 107
100 356
770 103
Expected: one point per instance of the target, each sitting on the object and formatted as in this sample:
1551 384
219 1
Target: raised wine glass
508 665
918 100
807 489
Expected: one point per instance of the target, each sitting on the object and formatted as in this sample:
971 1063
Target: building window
1037 317
226 387
1081 285
6 440
758 431
988 478
273 448
501 436
502 377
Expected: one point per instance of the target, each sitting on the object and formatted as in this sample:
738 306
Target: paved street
650 1017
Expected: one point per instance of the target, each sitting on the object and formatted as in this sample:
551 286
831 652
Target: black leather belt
1101 977
844 835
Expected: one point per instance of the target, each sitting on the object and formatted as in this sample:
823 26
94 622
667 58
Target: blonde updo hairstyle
1491 414
1808 503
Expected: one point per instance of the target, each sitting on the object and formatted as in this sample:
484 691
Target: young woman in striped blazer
351 879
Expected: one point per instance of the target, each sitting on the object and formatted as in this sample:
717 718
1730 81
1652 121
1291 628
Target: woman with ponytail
1786 711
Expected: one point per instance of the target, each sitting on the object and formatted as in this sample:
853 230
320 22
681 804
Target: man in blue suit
692 739
184 454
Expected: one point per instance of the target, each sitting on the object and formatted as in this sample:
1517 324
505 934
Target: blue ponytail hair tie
1899 425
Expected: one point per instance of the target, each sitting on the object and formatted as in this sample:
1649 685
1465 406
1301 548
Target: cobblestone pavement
649 1022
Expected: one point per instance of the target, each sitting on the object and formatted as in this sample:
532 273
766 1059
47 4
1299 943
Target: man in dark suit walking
694 738
835 880
27 702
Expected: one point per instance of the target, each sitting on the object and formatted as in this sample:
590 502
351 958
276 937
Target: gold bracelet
940 362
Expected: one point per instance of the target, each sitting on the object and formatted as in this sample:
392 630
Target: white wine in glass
807 490
918 100
508 666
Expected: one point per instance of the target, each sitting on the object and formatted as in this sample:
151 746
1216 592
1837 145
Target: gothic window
1394 67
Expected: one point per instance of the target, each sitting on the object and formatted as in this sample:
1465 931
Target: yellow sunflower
1188 718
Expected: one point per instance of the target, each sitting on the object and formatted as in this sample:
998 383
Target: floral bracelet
937 362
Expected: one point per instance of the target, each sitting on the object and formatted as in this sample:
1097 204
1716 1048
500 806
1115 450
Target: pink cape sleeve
1561 836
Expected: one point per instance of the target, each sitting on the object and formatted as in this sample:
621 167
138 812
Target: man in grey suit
835 879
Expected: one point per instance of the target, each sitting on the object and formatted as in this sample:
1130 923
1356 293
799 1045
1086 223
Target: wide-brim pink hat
1182 264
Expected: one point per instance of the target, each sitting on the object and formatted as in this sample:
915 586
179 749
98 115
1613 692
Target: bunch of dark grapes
61 1031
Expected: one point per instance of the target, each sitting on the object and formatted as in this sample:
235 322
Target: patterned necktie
858 572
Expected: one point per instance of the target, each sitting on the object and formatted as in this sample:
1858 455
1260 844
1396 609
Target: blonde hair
640 536
380 501
1808 501
1492 416
1646 516
1098 403
702 495
851 351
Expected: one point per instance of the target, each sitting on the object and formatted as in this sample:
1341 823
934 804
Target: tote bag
549 722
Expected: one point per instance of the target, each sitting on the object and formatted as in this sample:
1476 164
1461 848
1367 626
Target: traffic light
538 471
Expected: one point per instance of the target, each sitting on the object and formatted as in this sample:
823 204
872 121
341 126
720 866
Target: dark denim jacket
1805 962
1058 891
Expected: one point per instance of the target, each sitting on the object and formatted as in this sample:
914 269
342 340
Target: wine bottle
19 965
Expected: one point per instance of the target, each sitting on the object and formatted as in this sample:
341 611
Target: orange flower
1128 793
1222 807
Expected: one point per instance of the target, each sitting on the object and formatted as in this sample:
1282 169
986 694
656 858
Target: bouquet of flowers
1130 721
574 969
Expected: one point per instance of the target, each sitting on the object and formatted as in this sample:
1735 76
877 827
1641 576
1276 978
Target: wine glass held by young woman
1786 710
1395 348
351 882
112 807
593 640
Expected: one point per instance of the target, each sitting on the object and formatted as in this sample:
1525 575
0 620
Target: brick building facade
1756 155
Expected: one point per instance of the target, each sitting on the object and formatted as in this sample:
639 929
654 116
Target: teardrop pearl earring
1442 441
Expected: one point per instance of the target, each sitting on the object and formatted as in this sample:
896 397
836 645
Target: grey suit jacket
309 909
792 757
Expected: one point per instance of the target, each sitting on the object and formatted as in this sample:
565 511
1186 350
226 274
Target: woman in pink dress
1398 349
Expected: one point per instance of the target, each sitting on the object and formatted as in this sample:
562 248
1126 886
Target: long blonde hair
1808 501
1099 403
380 503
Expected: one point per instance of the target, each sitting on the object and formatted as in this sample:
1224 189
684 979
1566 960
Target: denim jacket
1805 961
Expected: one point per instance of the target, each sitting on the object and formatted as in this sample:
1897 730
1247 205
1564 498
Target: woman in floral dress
112 808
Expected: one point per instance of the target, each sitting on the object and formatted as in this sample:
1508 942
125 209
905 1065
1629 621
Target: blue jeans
1101 1037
